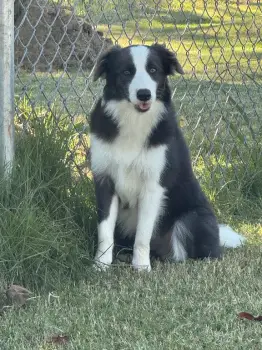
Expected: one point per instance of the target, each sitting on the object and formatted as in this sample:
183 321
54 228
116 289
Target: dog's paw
100 266
102 261
141 260
141 266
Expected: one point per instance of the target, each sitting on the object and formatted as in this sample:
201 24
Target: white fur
104 254
230 238
141 79
135 170
179 236
127 220
150 203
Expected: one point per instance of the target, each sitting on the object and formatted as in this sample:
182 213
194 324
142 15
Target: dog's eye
127 72
152 70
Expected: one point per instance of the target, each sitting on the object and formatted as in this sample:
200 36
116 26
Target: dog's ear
169 59
102 63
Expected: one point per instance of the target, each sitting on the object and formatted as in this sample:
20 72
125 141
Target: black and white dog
147 194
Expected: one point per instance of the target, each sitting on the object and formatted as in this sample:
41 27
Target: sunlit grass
48 219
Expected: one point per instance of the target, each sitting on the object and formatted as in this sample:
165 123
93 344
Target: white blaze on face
141 79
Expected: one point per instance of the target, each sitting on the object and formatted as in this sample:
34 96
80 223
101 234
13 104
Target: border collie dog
146 192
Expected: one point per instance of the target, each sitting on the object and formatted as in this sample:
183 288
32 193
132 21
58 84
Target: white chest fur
133 167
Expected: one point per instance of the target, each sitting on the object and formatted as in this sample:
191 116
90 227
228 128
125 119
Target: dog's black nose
143 94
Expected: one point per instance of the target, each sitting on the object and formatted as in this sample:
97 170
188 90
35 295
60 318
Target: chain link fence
218 100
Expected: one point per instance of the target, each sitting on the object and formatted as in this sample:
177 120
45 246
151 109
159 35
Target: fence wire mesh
218 100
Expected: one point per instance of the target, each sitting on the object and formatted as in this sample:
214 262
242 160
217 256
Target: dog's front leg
107 210
148 211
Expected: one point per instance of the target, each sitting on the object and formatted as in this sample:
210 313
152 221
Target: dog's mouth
143 106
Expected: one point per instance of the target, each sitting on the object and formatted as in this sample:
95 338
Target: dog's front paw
141 265
102 261
141 259
99 266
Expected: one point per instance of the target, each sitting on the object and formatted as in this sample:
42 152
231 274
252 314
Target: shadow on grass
183 17
163 33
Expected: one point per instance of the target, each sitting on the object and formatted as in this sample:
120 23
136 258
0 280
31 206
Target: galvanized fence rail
6 86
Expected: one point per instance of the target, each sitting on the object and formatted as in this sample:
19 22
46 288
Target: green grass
193 305
48 219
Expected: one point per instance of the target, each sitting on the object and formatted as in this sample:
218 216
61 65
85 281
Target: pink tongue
143 105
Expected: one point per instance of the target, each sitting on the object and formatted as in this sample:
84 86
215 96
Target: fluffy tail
229 238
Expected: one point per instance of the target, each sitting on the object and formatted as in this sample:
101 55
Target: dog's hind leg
196 236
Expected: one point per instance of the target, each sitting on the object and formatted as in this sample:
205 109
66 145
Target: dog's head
137 73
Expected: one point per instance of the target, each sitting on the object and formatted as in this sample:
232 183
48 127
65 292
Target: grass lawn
193 305
48 219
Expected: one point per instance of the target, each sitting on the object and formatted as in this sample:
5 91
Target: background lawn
47 214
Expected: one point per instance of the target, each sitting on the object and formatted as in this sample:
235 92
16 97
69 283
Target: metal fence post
6 85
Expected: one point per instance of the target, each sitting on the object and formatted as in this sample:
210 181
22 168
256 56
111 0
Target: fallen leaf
17 294
246 315
59 339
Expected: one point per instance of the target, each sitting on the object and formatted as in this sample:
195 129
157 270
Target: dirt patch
53 38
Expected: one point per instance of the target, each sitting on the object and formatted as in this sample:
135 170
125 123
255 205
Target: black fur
185 200
104 190
102 124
